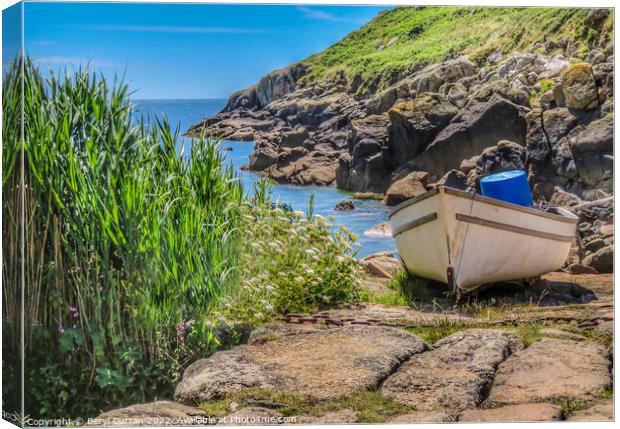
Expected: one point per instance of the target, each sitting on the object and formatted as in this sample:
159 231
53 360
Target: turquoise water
367 214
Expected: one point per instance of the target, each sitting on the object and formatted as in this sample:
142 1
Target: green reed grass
137 255
125 238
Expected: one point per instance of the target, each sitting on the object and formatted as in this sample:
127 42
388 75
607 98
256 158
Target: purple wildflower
61 330
74 312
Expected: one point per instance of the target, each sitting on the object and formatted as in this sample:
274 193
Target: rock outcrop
547 110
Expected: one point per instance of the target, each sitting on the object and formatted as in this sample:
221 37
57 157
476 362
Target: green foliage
291 262
424 35
136 251
545 85
592 36
125 240
434 333
608 394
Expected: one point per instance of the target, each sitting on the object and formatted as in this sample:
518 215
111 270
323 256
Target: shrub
292 263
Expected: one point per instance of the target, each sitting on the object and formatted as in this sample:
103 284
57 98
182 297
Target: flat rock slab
597 413
552 369
321 365
160 413
456 374
559 333
514 413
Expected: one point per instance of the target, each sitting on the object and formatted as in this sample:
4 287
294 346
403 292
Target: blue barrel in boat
510 186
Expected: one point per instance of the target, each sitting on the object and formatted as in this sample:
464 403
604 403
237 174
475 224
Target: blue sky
11 34
184 50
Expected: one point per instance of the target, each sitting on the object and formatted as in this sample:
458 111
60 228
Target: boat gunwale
483 199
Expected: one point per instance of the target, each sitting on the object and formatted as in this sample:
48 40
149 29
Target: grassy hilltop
400 40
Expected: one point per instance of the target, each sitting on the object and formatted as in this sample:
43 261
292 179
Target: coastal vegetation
398 42
139 256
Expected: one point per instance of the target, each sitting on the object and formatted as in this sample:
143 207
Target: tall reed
126 239
138 256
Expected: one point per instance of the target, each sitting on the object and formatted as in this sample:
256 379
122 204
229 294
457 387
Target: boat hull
467 240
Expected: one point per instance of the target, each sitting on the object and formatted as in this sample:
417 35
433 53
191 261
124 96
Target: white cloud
324 16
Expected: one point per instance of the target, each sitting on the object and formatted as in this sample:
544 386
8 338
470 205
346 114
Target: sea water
367 213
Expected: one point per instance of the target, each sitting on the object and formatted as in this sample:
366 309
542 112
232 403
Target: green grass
608 394
370 406
140 258
429 34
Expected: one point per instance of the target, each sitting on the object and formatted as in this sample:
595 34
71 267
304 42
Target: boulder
558 123
457 95
592 151
432 77
477 127
414 124
538 147
301 168
159 413
383 101
564 199
453 179
580 269
552 370
514 413
322 364
595 210
504 90
262 157
594 245
456 374
410 186
579 87
506 155
596 16
468 165
293 138
371 128
602 260
382 264
553 67
368 174
595 57
345 206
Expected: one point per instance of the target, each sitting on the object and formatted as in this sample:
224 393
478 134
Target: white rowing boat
467 240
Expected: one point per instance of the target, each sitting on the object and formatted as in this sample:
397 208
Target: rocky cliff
426 96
